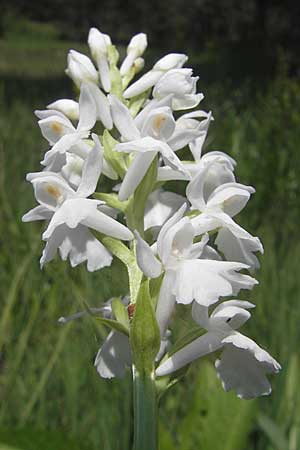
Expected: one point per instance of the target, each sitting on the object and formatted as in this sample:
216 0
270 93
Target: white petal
114 356
84 211
159 124
72 169
210 253
80 245
54 127
136 48
202 280
197 145
160 206
91 170
51 190
166 173
143 145
241 250
197 249
64 144
187 101
204 223
80 68
127 63
167 226
243 367
195 189
102 106
208 343
200 315
123 119
170 61
37 213
142 84
171 158
87 108
177 241
135 174
229 316
229 303
46 113
231 197
152 104
52 244
68 107
146 260
104 72
181 138
166 301
98 43
107 225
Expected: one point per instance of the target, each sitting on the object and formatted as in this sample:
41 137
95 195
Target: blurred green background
247 56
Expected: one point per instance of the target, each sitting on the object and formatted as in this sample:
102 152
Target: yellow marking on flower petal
53 191
57 127
159 121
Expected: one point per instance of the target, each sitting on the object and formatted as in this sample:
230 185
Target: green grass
48 385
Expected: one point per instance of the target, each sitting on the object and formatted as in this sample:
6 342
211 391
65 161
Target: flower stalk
145 407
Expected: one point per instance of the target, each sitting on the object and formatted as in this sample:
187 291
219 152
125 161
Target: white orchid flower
59 130
154 132
71 215
135 49
99 43
243 364
218 173
187 277
81 69
217 208
168 62
182 85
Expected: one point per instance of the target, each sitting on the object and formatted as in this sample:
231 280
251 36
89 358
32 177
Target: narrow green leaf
120 312
127 256
111 200
273 431
115 159
113 324
144 332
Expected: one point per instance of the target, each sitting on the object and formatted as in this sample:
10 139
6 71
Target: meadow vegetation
50 394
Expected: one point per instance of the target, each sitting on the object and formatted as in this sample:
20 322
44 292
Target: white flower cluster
121 130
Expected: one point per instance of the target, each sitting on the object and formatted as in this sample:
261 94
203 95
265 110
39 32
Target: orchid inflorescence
178 250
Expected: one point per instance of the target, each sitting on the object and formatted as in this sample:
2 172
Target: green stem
145 411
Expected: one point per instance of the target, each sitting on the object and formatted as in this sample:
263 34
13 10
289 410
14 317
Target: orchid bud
80 68
99 43
136 48
138 65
